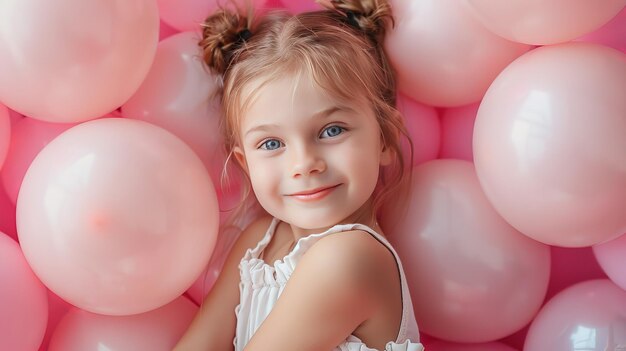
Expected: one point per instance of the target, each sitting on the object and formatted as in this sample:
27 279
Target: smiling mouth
314 194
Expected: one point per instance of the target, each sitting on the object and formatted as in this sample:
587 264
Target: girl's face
312 162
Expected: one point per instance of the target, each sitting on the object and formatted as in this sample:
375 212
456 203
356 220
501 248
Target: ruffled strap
260 246
355 344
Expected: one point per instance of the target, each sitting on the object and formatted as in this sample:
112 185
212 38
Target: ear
240 156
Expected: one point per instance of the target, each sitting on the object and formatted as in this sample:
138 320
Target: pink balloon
175 96
473 277
14 116
457 131
117 216
298 6
541 22
549 141
29 137
7 215
422 124
443 56
74 60
587 316
23 301
187 15
57 308
156 330
570 266
612 258
449 346
165 31
203 285
612 34
5 133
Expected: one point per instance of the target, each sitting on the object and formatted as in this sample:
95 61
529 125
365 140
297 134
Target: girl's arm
213 327
330 293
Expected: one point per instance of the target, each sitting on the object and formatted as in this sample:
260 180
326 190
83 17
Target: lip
314 194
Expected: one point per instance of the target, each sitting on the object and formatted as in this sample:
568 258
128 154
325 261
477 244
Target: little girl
310 119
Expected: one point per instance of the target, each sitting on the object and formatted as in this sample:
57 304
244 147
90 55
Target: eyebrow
322 114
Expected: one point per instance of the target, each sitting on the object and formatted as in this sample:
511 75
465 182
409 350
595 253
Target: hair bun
370 16
222 33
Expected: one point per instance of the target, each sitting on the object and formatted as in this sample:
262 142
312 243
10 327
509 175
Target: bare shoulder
352 251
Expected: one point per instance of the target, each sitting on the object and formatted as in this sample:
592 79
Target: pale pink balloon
422 123
457 131
117 216
473 277
449 346
587 316
187 15
5 134
612 258
156 330
74 60
549 144
443 56
176 96
29 137
23 301
612 34
298 6
541 22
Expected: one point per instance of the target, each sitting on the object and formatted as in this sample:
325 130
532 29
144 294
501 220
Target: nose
306 161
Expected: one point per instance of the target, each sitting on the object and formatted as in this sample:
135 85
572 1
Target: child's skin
296 138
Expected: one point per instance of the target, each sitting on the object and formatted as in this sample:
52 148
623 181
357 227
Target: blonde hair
340 47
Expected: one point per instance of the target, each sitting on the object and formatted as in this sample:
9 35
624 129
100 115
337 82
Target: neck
364 215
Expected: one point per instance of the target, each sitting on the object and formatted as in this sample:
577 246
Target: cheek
262 175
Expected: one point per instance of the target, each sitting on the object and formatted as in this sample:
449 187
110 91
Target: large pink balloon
457 131
448 346
74 60
443 56
542 22
422 123
549 144
587 316
187 15
156 330
5 133
612 258
117 216
23 301
473 277
176 96
29 137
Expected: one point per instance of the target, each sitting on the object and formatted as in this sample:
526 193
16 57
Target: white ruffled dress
261 285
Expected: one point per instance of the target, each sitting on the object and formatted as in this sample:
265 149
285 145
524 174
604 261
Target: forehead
288 95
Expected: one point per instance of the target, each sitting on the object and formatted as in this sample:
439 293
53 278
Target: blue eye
332 131
270 144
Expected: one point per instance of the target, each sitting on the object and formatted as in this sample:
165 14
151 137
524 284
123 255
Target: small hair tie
244 34
351 17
